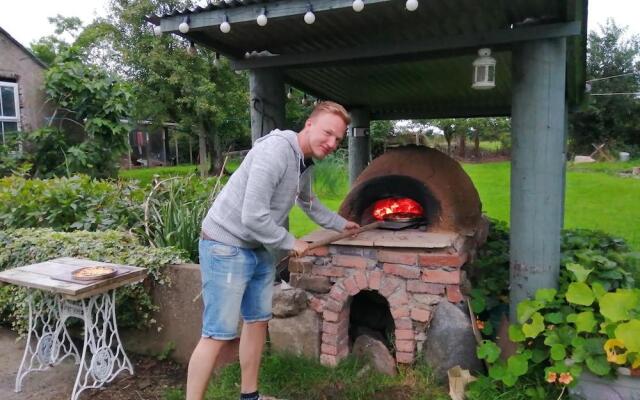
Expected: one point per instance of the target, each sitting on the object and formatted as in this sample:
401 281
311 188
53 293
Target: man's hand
351 226
299 247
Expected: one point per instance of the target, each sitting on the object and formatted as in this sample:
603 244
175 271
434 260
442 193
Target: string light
304 100
262 18
225 26
157 30
358 5
192 49
290 94
309 17
216 60
184 25
411 5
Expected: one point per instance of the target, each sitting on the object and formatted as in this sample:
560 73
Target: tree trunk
202 151
476 144
462 144
215 152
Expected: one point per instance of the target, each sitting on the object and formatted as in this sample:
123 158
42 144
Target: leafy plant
27 246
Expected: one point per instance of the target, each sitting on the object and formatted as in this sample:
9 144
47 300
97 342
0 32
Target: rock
427 299
312 283
583 159
375 353
635 171
288 302
450 341
299 335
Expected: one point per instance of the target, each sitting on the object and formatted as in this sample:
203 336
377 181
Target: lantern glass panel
492 73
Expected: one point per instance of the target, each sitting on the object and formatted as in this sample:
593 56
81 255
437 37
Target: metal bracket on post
359 132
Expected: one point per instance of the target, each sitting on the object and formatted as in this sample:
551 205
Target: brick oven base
411 269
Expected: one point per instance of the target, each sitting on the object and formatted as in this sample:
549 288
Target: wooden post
147 148
537 167
266 102
175 141
359 142
202 151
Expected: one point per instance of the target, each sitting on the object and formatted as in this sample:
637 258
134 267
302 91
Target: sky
26 20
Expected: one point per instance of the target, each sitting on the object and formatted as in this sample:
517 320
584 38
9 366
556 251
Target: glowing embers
397 208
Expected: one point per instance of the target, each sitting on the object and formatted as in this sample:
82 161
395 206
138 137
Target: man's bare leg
203 360
251 344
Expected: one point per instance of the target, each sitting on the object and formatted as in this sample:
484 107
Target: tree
613 66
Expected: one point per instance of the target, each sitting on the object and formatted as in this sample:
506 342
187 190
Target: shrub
26 246
67 204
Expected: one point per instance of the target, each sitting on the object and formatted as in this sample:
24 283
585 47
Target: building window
9 113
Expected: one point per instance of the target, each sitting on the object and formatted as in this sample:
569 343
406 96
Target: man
245 219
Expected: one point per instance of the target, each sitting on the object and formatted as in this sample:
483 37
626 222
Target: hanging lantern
484 70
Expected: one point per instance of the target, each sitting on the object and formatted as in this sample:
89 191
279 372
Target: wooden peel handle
342 235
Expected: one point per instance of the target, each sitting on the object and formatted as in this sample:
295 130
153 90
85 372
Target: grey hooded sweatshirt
254 204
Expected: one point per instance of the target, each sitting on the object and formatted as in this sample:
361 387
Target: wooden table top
41 276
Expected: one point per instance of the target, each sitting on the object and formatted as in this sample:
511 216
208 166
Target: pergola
386 62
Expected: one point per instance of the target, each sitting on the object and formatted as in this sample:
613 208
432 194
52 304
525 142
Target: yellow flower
565 378
552 377
615 351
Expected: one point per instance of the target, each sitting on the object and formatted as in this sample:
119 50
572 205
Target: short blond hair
331 108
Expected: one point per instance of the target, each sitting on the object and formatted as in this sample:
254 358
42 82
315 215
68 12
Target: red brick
335 327
406 346
332 316
327 270
403 323
399 298
361 280
387 287
416 286
398 257
418 314
374 279
333 305
338 293
351 286
404 357
331 339
316 304
441 260
441 276
454 294
326 359
350 261
318 251
404 271
328 349
404 334
397 312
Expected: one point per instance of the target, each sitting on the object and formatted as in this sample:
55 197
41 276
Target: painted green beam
538 151
279 9
423 47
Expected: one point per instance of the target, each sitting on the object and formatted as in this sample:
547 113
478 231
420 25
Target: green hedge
67 204
26 246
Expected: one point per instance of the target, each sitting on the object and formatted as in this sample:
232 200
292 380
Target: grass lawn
595 199
145 175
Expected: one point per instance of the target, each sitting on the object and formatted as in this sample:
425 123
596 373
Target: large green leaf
617 306
526 308
598 365
581 273
535 327
517 364
515 333
558 352
629 333
580 293
584 321
546 295
554 317
488 350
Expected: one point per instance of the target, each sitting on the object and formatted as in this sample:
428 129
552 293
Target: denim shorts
235 281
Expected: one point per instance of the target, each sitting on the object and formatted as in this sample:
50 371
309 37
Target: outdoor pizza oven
386 283
428 177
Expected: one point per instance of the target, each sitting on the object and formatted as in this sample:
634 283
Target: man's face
326 131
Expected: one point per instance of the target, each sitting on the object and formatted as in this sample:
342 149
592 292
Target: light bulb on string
262 18
411 5
192 49
225 26
304 100
309 16
216 60
358 5
184 25
290 94
157 30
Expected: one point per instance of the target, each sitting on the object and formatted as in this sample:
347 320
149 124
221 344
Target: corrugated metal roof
428 83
